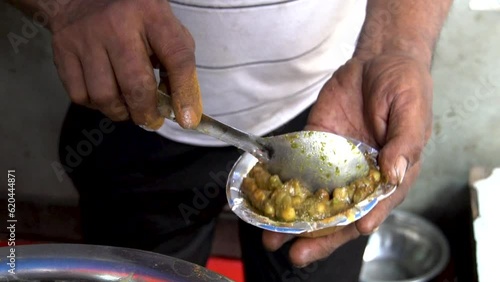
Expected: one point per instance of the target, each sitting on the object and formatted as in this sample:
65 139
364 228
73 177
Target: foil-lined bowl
243 209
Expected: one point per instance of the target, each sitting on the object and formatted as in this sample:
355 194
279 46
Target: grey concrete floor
466 127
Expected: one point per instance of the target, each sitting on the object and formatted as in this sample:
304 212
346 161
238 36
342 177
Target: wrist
410 28
44 12
407 45
59 16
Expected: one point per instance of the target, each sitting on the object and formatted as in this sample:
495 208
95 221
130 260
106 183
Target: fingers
70 72
273 241
399 111
101 85
407 130
134 72
174 47
307 250
369 223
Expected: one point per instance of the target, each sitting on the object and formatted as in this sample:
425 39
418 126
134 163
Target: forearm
409 27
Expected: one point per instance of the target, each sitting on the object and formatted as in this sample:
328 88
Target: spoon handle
218 130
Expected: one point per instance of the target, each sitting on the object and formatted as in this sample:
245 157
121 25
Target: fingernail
157 123
401 167
146 128
373 231
153 124
188 117
301 266
125 115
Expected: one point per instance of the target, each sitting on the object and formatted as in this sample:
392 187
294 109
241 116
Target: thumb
408 129
175 47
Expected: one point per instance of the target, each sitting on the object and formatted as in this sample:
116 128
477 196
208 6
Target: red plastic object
231 268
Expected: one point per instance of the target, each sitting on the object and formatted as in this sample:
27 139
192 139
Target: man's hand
383 97
103 51
385 102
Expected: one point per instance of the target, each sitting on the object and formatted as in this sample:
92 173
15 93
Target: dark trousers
140 190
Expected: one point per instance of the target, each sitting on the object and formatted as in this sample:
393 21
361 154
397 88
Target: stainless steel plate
75 262
405 248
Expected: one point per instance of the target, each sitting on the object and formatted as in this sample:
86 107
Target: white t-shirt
262 62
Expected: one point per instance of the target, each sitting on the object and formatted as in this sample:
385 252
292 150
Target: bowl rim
436 233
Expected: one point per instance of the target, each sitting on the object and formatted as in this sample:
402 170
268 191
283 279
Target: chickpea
288 214
259 196
249 184
287 201
338 206
350 191
278 196
360 183
361 194
293 187
297 201
268 209
341 194
322 194
261 177
320 208
275 183
367 182
374 175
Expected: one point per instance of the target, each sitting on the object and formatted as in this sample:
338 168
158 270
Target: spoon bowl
318 159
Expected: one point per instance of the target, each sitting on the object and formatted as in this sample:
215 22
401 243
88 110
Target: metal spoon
318 159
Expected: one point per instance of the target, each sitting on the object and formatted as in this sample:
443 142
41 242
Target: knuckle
190 40
118 116
117 108
57 41
140 91
326 248
179 54
102 99
78 98
416 151
57 51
